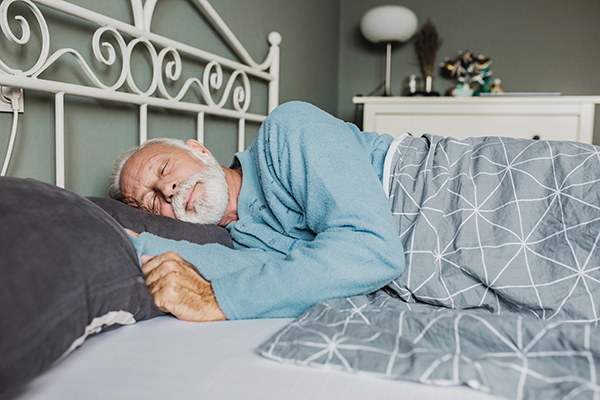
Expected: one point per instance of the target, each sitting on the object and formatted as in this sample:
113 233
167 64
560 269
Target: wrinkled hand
178 288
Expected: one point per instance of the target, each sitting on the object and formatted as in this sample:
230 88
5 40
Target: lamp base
388 69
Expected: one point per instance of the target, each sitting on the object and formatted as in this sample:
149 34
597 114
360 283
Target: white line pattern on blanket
509 355
502 276
518 219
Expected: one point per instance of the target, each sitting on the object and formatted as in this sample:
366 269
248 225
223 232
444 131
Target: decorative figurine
496 89
472 73
428 44
412 85
462 89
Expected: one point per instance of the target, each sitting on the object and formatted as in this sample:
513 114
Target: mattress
167 358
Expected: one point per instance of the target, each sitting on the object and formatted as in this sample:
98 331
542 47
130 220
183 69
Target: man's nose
169 190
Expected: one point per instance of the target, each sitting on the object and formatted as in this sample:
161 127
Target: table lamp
388 24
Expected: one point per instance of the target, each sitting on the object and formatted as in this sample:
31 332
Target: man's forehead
146 153
144 157
139 163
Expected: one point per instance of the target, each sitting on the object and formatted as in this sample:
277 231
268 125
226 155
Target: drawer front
546 127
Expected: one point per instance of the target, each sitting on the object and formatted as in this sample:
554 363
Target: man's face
173 182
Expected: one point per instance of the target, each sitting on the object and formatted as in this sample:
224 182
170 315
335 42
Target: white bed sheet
165 358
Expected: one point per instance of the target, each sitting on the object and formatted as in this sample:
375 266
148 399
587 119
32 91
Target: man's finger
178 274
145 258
155 262
169 271
188 305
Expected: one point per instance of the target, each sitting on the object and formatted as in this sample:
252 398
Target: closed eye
151 204
154 201
154 204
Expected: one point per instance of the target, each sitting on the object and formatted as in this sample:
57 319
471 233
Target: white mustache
184 189
209 208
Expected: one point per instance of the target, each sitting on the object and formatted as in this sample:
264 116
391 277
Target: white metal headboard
165 55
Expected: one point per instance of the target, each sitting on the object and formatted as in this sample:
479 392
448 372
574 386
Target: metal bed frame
165 55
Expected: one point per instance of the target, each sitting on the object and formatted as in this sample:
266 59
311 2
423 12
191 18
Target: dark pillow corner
142 221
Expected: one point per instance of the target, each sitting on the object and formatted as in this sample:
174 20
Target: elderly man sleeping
490 223
304 206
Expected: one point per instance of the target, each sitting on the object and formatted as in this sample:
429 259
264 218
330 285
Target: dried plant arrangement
428 43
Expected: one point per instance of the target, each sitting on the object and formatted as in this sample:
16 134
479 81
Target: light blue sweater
314 223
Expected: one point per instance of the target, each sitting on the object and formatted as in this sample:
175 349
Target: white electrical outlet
5 104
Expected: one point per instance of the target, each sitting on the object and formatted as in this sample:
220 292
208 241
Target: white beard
209 208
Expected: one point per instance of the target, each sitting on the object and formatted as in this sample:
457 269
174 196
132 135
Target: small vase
427 89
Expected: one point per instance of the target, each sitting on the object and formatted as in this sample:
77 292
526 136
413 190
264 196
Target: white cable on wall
11 142
14 100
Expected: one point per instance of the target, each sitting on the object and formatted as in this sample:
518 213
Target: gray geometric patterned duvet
501 289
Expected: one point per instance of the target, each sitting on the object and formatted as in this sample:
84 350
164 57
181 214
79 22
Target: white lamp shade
389 24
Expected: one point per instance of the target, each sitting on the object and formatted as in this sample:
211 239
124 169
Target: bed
94 332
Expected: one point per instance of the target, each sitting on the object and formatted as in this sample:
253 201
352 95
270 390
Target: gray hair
114 187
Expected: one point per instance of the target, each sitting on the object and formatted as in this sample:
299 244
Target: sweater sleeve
213 261
315 165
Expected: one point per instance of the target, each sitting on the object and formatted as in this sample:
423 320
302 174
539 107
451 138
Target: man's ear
196 145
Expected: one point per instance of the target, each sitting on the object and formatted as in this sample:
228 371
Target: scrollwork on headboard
226 94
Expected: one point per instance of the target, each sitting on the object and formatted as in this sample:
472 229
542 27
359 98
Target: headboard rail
223 78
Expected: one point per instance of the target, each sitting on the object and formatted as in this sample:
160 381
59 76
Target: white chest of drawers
541 117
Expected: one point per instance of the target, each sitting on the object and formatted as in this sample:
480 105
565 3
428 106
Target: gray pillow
67 270
142 221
